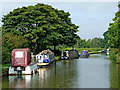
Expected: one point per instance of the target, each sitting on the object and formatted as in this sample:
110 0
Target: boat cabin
45 57
84 53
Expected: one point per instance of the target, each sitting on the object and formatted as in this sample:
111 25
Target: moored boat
21 62
69 54
84 54
45 58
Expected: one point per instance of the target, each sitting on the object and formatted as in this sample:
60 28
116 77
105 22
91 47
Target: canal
94 72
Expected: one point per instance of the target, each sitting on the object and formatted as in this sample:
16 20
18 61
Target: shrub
112 54
118 56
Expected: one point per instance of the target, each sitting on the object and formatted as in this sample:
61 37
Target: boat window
51 56
46 57
64 54
40 57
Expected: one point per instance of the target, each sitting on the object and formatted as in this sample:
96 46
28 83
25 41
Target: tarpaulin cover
83 52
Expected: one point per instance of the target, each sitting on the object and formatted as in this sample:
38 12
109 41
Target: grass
5 67
95 52
57 57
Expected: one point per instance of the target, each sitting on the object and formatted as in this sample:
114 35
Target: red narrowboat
21 62
20 57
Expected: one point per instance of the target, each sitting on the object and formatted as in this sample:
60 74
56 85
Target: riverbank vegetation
5 67
114 55
112 37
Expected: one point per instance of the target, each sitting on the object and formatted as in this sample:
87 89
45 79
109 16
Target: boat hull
30 69
84 56
45 64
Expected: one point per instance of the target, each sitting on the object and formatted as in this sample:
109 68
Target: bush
112 54
6 55
10 42
118 56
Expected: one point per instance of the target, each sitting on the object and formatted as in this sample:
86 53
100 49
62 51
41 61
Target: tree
106 39
91 43
112 35
10 42
97 43
81 43
41 25
0 44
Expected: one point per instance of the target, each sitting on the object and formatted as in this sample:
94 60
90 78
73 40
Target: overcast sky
93 18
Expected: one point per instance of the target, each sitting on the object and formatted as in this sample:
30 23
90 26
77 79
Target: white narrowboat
45 58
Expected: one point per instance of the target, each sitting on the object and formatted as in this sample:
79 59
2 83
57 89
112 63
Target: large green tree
42 25
112 35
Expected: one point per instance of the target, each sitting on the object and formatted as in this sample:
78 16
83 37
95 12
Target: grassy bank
92 52
4 69
57 58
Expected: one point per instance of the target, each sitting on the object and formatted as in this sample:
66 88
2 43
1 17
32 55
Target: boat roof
46 52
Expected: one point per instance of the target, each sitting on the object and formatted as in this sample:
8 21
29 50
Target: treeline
90 43
94 44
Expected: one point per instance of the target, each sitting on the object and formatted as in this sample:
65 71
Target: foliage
112 35
118 57
9 42
80 49
12 41
0 45
6 55
57 57
97 43
5 65
112 54
90 43
42 25
106 39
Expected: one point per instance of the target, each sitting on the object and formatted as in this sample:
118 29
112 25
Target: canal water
94 72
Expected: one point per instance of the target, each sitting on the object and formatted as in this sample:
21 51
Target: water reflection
19 81
43 76
93 72
114 75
